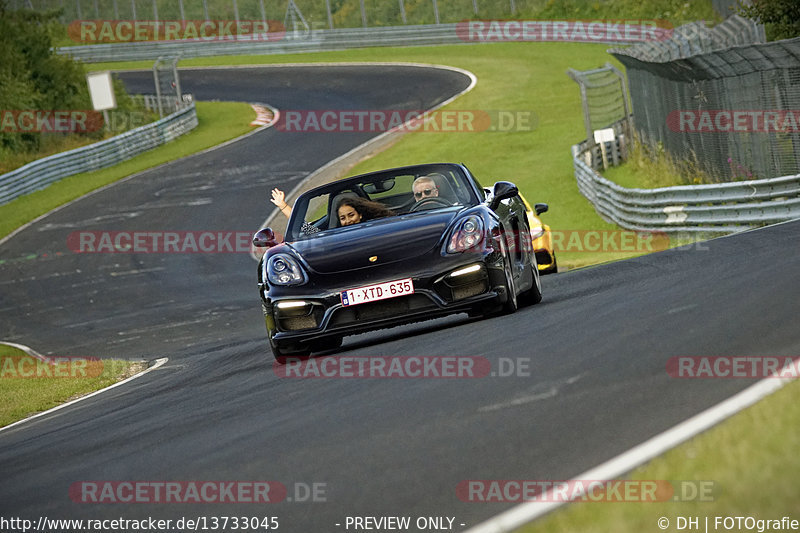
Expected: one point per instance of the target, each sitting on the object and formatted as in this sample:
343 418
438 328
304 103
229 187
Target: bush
34 78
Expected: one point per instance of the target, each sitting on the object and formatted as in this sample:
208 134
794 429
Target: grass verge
756 476
29 386
218 122
649 168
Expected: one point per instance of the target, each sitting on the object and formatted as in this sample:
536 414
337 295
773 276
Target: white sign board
604 136
101 90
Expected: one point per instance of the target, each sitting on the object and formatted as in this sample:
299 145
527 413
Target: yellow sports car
542 238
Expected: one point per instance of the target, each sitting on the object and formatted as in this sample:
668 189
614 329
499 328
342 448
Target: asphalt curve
597 347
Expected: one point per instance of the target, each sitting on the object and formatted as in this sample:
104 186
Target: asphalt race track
596 347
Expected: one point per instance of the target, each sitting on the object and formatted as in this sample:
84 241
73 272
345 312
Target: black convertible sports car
444 245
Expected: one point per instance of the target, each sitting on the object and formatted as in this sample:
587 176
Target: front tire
332 343
282 352
533 295
511 304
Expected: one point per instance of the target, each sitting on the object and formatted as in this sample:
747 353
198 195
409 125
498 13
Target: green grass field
29 386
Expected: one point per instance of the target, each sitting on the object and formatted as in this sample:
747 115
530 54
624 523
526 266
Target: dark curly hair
366 208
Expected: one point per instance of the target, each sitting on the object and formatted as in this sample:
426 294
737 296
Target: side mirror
540 208
502 190
265 238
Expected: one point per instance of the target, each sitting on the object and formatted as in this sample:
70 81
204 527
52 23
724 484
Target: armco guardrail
43 172
311 41
716 208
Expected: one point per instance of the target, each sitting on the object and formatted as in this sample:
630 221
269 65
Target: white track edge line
159 362
28 350
625 462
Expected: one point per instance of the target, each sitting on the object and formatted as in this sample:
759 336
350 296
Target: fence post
155 18
327 10
158 88
625 100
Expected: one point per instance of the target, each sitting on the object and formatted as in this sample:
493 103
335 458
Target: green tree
781 18
32 75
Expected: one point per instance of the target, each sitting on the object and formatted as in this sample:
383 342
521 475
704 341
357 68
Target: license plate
379 291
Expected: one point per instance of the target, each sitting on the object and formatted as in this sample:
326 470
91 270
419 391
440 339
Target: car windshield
398 192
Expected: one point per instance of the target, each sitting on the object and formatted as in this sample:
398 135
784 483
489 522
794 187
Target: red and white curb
265 116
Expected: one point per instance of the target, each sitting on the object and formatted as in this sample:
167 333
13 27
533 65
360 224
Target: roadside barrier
42 172
715 208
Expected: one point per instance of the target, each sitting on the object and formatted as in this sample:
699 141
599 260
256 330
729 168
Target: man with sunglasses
424 187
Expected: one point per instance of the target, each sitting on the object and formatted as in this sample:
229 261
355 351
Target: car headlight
467 234
536 232
283 269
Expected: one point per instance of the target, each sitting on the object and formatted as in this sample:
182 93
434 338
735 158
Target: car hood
388 239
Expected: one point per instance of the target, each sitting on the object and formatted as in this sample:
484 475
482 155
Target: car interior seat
445 189
333 216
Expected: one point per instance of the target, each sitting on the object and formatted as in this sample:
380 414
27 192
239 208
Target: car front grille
299 318
380 309
461 287
471 289
298 322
